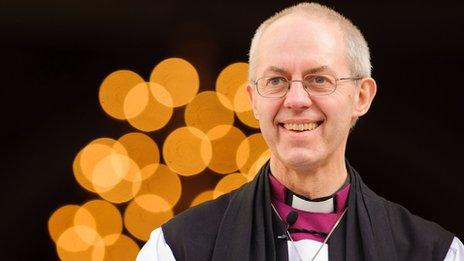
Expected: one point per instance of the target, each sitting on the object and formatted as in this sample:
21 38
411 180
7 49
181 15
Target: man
309 83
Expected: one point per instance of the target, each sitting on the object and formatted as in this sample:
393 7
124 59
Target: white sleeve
156 248
456 251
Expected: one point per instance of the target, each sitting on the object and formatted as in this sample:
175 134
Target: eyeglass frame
255 83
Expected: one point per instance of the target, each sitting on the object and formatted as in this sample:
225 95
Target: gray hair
357 50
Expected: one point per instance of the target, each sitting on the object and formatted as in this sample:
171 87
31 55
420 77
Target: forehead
297 42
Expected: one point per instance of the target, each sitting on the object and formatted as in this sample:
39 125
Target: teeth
301 127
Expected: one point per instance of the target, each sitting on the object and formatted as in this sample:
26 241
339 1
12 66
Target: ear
365 96
252 96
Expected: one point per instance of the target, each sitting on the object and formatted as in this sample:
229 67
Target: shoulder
207 215
195 229
409 230
403 220
196 218
400 217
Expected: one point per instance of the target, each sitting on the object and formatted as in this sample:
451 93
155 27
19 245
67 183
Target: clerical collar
330 204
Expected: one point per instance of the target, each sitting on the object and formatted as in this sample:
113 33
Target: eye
276 81
318 79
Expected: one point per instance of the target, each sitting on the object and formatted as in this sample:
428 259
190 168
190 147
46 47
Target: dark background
54 55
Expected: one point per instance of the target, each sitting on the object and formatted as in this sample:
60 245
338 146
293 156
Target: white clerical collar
319 205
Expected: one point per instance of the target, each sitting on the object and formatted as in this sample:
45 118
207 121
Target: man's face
290 47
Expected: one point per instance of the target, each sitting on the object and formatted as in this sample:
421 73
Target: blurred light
80 243
249 151
103 167
218 132
202 197
78 238
179 78
225 149
109 172
129 169
164 183
107 218
230 80
84 218
152 203
206 111
143 151
161 94
136 100
187 151
124 248
86 160
232 83
243 108
156 113
140 222
256 166
61 220
114 89
128 186
248 118
148 171
229 183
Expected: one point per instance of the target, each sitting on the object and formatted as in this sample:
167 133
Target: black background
54 55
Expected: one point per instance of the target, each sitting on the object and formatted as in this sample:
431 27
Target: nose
297 97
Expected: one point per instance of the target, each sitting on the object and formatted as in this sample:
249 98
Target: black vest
241 226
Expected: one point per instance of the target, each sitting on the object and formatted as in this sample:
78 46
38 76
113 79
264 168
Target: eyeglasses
315 85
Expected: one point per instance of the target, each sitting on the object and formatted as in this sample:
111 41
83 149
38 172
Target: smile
300 127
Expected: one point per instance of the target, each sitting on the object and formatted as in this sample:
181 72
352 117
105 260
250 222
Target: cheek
337 108
268 111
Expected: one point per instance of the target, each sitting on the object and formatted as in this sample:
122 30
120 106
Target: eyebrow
308 71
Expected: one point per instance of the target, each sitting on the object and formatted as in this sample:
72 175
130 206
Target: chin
299 158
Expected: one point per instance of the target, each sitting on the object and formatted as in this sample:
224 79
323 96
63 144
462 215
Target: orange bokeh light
80 243
61 220
143 151
225 148
243 108
180 79
187 151
164 183
89 157
108 219
140 221
202 197
157 112
257 164
124 248
127 188
230 80
129 170
229 183
114 89
136 100
206 111
249 151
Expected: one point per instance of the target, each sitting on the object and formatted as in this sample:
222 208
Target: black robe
242 226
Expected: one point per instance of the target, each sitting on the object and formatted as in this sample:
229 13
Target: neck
311 181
